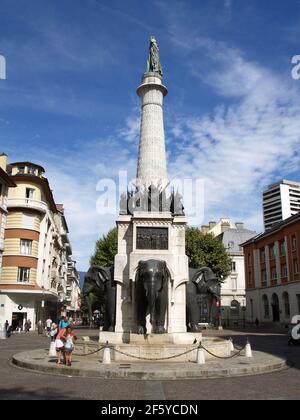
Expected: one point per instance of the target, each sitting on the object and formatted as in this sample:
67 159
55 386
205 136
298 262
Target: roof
276 228
282 182
6 178
233 238
28 163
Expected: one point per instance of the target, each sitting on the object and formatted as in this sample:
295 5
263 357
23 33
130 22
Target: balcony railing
27 203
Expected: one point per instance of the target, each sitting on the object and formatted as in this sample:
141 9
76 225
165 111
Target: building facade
5 183
272 273
280 201
233 290
34 274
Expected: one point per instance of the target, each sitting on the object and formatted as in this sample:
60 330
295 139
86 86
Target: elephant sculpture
151 295
202 284
102 278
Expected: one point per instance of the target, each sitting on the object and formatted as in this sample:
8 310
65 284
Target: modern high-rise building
280 201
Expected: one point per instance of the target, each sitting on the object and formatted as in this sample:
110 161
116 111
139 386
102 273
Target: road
16 383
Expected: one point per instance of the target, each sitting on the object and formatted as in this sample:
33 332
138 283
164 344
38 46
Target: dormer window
21 170
31 170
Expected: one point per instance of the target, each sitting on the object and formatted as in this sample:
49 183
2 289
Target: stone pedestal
128 258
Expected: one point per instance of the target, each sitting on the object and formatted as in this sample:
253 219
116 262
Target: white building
233 290
280 201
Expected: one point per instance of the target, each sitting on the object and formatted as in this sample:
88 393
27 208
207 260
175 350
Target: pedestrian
48 326
54 331
20 325
64 323
6 325
59 346
9 331
69 338
27 325
256 323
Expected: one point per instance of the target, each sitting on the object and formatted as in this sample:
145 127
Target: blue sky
231 116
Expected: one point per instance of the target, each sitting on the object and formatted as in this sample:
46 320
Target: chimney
225 226
239 225
205 229
3 161
212 225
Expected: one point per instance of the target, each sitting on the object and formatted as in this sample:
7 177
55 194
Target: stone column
152 166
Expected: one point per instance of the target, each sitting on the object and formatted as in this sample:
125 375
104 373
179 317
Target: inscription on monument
152 238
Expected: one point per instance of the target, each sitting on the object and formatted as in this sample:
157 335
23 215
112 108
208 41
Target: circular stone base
92 367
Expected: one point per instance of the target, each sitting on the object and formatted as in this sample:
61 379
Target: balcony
27 203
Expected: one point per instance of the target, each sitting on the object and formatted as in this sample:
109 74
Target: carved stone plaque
151 238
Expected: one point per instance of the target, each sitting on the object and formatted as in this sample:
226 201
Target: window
21 170
234 284
233 266
249 259
266 306
272 252
23 275
31 170
26 247
264 276
294 243
284 271
262 255
282 248
274 273
298 303
29 193
286 304
235 307
28 221
295 265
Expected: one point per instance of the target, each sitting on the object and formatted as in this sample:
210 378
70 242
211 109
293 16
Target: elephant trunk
152 296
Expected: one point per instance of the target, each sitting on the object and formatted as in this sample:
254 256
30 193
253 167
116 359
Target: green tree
207 251
106 249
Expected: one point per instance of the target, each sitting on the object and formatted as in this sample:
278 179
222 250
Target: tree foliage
207 251
106 249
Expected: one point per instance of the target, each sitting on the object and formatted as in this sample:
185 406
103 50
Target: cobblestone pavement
16 383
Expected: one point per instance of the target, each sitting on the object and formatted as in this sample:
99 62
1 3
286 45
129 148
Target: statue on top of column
153 63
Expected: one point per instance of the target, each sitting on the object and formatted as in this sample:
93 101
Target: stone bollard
52 349
248 350
231 346
106 355
200 356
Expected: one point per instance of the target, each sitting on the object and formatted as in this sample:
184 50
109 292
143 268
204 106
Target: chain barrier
223 357
156 359
165 358
89 354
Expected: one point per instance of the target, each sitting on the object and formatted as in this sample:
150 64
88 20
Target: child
59 345
69 338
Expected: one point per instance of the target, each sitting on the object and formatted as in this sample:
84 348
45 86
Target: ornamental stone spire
152 167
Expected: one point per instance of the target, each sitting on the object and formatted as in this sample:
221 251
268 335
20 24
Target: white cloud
228 4
244 144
